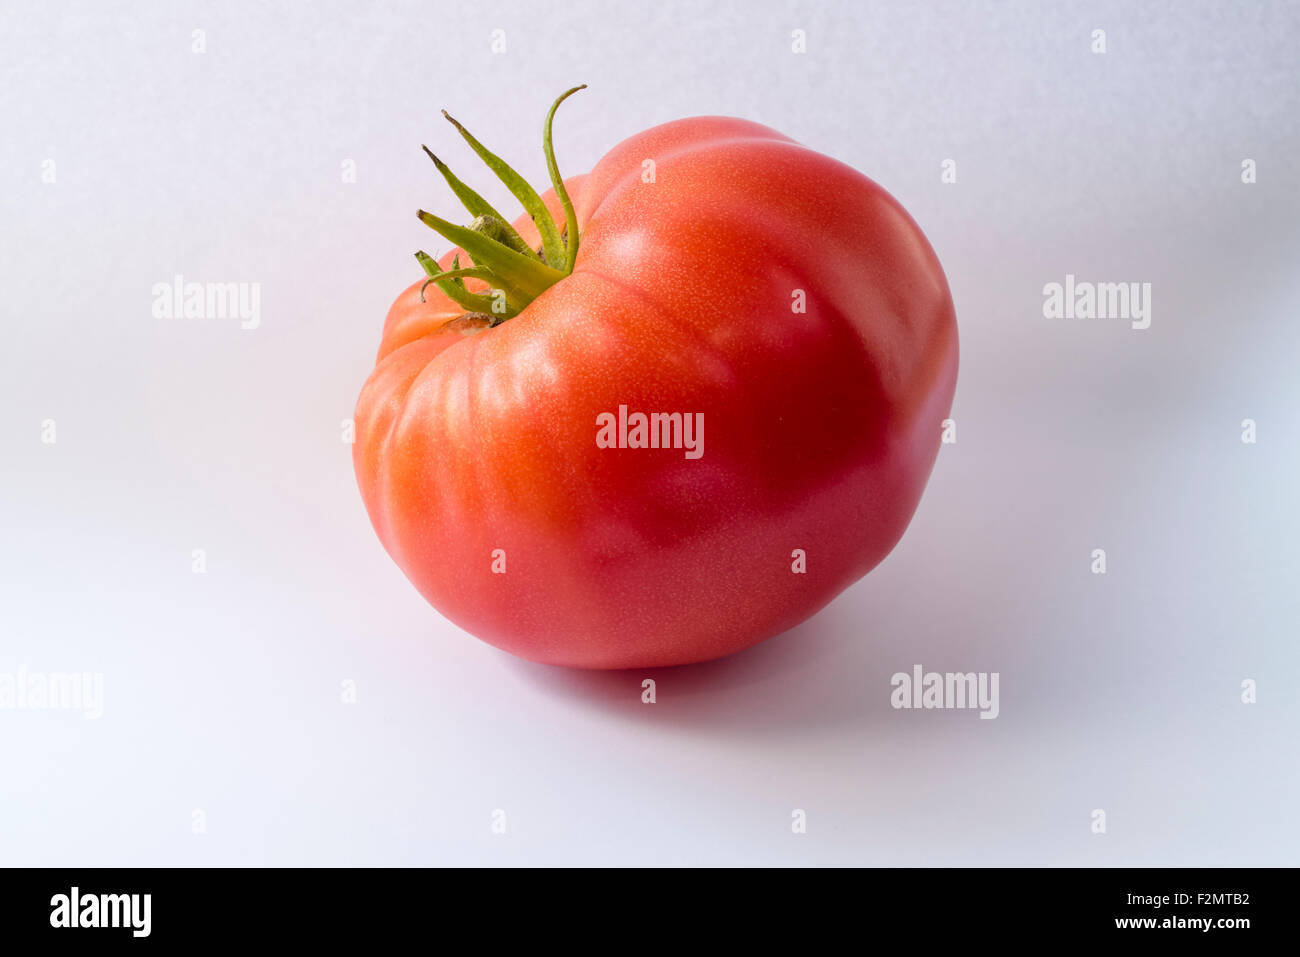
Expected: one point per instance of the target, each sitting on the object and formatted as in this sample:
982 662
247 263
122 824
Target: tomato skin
820 428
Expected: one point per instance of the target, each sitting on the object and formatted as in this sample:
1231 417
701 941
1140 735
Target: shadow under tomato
835 670
812 675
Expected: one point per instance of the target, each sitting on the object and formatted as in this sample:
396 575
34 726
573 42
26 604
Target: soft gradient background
222 690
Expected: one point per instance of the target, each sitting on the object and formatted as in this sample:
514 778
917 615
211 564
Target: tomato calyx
515 273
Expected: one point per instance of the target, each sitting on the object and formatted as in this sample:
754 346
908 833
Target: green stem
478 206
453 288
552 245
501 257
557 182
530 276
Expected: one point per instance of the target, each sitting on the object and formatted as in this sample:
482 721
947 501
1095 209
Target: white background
222 691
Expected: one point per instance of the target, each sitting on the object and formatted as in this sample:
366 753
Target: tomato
709 268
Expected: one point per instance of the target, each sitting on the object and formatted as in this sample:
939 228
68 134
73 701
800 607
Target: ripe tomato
718 270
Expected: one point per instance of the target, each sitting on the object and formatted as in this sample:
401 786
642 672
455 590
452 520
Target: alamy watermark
75 909
53 691
654 430
179 299
946 690
1098 300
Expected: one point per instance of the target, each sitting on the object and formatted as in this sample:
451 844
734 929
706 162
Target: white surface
222 690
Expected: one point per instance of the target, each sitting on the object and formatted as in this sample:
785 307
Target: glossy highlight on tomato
709 267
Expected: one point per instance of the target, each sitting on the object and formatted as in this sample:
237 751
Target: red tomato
723 272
